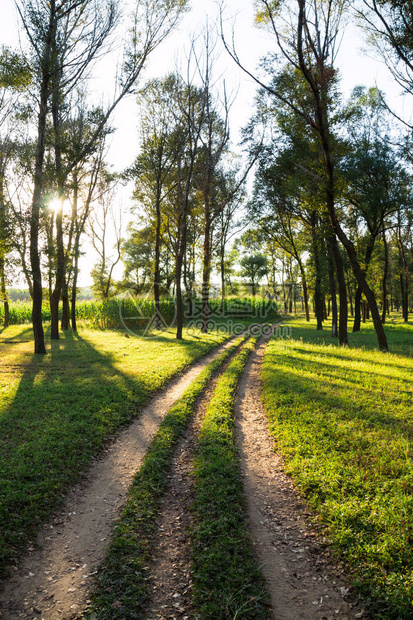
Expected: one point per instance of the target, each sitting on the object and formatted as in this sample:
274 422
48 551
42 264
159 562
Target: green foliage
342 419
253 268
58 410
15 73
124 575
227 582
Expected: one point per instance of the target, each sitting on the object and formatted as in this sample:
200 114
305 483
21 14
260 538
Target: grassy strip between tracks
227 581
342 419
121 589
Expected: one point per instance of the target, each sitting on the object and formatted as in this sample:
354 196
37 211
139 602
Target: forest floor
113 524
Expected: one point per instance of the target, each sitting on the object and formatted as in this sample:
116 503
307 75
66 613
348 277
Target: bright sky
252 43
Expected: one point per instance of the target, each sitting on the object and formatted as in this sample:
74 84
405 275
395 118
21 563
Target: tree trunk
65 324
206 272
157 267
342 292
73 300
39 345
222 268
385 274
179 302
3 290
318 299
357 310
60 252
350 298
333 293
305 291
404 285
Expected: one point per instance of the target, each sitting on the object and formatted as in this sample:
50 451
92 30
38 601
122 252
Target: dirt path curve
302 579
53 581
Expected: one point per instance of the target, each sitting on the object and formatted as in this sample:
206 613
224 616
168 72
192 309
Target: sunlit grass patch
343 420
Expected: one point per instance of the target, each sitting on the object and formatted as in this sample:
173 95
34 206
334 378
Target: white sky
252 43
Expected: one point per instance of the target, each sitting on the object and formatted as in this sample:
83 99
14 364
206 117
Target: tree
253 268
373 176
102 218
389 24
65 39
138 258
309 44
155 165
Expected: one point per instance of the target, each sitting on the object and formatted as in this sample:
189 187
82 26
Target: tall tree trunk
222 269
350 298
206 270
305 290
60 251
385 274
404 278
318 297
357 310
74 295
342 291
157 267
3 291
179 301
65 324
39 345
333 292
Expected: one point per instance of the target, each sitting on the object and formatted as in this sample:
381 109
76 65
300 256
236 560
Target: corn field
115 313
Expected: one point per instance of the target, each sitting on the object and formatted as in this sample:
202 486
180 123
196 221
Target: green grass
126 569
227 581
57 411
343 420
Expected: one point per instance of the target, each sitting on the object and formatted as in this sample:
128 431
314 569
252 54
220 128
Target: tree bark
39 344
342 292
318 298
3 290
60 253
157 267
333 292
65 324
357 311
305 290
385 274
206 272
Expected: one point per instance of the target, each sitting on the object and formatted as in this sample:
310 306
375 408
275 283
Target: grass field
343 420
56 411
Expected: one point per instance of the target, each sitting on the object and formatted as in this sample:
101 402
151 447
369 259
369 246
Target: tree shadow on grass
340 400
67 404
327 364
22 336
